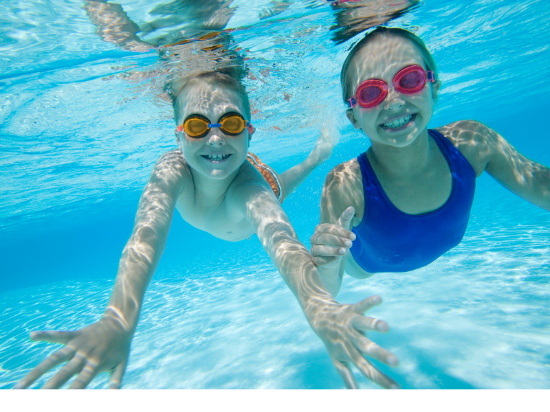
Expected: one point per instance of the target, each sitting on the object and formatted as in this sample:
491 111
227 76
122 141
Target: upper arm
487 150
343 188
262 209
158 199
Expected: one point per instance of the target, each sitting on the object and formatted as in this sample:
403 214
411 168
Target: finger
373 374
320 250
331 229
366 324
371 349
88 372
116 377
345 372
332 239
67 372
345 217
50 362
366 304
52 336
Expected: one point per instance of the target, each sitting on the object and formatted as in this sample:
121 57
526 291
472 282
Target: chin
401 139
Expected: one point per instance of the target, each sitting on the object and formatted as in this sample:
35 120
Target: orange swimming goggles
197 126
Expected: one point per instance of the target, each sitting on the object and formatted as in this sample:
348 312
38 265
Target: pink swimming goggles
409 80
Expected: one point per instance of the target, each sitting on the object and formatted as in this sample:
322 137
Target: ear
435 89
251 131
352 119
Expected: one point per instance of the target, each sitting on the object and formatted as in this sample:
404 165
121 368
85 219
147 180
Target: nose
393 100
215 138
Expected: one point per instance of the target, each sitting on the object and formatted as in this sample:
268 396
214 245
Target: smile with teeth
216 157
394 124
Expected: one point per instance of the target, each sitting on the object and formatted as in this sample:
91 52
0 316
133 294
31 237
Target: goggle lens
411 81
232 124
195 127
370 95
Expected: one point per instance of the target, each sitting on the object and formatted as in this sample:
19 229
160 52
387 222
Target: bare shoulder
248 180
250 195
474 140
171 161
170 171
343 176
343 188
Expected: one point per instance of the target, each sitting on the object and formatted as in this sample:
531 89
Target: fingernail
392 361
394 387
348 243
342 251
352 237
383 327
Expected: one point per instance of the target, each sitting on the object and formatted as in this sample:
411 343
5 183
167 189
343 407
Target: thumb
116 376
345 217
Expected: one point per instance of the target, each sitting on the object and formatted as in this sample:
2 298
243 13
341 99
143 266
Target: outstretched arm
295 176
487 150
105 345
522 176
342 328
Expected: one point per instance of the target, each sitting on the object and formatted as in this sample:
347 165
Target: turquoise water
80 132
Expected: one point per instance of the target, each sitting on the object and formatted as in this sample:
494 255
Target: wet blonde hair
176 86
384 32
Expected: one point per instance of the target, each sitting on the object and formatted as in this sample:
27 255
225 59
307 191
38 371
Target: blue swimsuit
389 240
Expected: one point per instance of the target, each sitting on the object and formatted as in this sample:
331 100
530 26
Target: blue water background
77 146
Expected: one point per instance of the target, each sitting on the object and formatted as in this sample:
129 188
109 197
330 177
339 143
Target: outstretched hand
99 347
342 328
324 144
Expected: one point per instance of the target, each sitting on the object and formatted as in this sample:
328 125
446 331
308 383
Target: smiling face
400 118
216 155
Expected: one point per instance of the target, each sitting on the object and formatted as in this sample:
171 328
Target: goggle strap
351 102
431 77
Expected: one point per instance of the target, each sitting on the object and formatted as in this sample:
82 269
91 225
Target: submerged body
389 240
412 174
215 189
390 200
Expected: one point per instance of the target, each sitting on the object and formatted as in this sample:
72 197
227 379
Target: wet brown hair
176 86
385 32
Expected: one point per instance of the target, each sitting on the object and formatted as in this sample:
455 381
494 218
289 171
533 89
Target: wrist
117 319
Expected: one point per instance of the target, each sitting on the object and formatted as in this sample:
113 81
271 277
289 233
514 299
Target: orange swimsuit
269 175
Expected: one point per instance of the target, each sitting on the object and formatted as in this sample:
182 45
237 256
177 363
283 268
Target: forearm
302 276
295 176
539 193
332 274
136 268
288 254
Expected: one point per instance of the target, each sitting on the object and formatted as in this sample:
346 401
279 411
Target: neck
403 161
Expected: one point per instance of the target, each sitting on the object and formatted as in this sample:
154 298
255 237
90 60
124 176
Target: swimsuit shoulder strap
456 160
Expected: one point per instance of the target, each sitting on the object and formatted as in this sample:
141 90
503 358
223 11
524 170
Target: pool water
81 130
